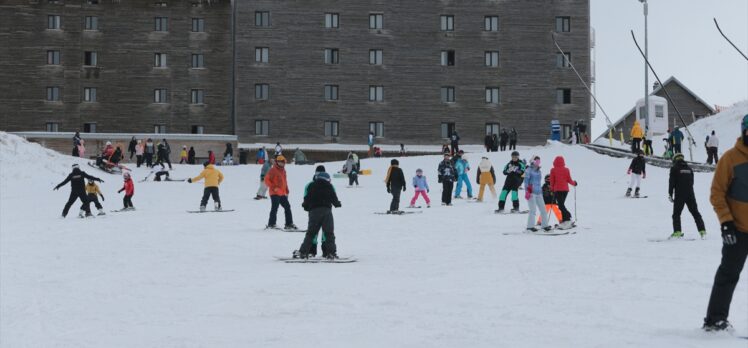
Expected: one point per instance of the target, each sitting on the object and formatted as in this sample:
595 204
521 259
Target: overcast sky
683 42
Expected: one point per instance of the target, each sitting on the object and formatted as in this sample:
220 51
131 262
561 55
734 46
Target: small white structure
658 116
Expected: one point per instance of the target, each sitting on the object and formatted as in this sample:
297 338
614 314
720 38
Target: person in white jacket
712 143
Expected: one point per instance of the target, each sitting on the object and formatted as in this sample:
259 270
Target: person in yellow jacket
213 178
729 197
485 177
93 193
183 155
636 137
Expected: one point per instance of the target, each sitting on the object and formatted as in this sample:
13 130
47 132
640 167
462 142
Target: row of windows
92 126
332 128
90 58
160 95
54 22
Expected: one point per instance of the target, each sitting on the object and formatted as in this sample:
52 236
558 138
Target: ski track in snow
160 277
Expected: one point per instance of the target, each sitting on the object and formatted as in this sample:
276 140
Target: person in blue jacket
676 139
462 167
534 195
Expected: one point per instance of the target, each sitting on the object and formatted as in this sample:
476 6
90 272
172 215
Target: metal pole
646 70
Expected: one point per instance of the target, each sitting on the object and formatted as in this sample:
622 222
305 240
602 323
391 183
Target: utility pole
646 69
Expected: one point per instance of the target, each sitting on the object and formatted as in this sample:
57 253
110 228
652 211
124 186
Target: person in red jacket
129 189
275 180
211 157
560 181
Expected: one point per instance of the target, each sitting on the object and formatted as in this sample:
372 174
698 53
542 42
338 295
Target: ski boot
636 193
428 205
89 215
499 211
531 230
271 226
628 192
101 212
720 325
412 206
290 227
457 197
295 254
547 228
217 206
676 234
702 234
202 208
258 197
81 214
565 225
332 256
514 211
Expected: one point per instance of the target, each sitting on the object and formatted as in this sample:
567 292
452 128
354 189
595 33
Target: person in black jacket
488 142
681 183
77 179
166 158
446 176
395 182
319 201
131 147
513 140
191 155
638 171
76 142
454 139
503 139
494 142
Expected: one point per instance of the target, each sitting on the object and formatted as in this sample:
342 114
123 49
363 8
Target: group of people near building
498 142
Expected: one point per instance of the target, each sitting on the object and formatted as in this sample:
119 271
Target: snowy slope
159 277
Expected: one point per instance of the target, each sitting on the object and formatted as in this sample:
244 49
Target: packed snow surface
160 277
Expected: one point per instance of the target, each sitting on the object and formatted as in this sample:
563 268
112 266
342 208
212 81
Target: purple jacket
420 183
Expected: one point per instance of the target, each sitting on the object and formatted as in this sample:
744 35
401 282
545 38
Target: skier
550 201
730 200
462 167
275 179
129 188
560 181
514 170
421 187
681 184
351 169
534 196
213 178
395 182
77 190
228 155
148 152
638 171
503 139
513 140
485 177
712 144
139 153
636 137
183 155
263 190
162 156
676 138
318 202
131 147
455 141
447 178
211 157
93 192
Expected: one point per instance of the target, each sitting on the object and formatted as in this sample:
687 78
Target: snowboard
658 240
415 207
317 260
553 232
259 198
399 212
634 197
285 230
211 211
120 211
509 212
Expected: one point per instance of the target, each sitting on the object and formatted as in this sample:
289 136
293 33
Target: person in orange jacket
213 177
275 180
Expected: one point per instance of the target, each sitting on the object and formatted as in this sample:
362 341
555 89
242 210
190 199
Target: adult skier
77 179
93 192
395 182
454 139
636 137
638 171
213 178
462 167
513 140
263 189
319 201
514 170
712 144
421 188
129 188
730 200
560 181
534 196
446 176
485 177
681 184
503 139
275 179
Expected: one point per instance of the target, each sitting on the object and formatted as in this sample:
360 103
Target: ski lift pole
728 39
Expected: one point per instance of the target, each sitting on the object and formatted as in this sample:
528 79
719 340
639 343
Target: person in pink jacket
421 187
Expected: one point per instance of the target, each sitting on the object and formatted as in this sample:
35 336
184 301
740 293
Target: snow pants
482 190
93 198
352 178
460 179
561 201
512 145
502 145
319 218
139 160
148 160
395 203
636 180
74 196
210 191
455 147
127 201
688 200
263 190
556 211
728 274
276 201
160 174
711 155
447 191
420 193
636 144
537 205
509 187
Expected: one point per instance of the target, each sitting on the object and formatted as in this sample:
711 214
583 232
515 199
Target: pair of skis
346 259
555 231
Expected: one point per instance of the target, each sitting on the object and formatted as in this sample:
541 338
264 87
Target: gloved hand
527 195
529 189
427 190
728 233
120 191
189 180
388 190
403 188
629 171
102 198
338 205
576 183
670 198
101 181
56 188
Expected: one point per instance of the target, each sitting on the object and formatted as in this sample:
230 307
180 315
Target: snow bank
726 125
24 160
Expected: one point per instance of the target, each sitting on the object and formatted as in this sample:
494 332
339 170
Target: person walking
560 181
681 184
485 177
395 182
213 178
446 176
712 144
638 171
276 181
421 188
77 179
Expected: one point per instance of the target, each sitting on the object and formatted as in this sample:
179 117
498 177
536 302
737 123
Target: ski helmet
108 143
678 157
323 176
320 169
75 165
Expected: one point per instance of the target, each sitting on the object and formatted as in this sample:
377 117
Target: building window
448 58
492 128
161 24
90 58
91 23
492 59
53 94
55 2
563 60
53 22
262 19
491 23
448 22
376 21
331 20
563 24
159 60
89 128
159 128
92 2
198 61
331 92
375 57
492 95
331 129
563 96
448 94
198 25
377 128
53 57
659 111
160 4
160 95
331 56
89 94
262 91
261 54
198 97
53 127
262 127
196 129
446 129
376 93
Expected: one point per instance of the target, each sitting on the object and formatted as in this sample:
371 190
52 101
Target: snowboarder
676 138
513 140
681 184
550 201
638 171
351 169
712 144
462 167
191 155
148 152
534 196
485 177
213 178
560 181
503 139
636 137
455 142
263 190
129 188
514 170
421 187
395 182
77 190
730 200
183 155
313 250
275 179
139 148
228 155
318 202
93 192
131 147
446 177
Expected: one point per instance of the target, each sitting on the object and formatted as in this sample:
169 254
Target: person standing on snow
560 181
514 170
676 138
636 137
183 155
513 140
211 157
712 144
454 138
462 167
370 142
319 201
503 139
421 187
488 142
494 142
260 156
191 155
148 152
228 155
681 184
550 202
76 142
313 250
638 171
485 177
395 182
131 147
213 178
129 188
350 168
275 179
93 193
278 150
82 149
139 147
729 197
263 190
77 178
446 177
534 196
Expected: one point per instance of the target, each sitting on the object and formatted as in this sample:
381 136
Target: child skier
638 171
275 179
681 184
514 170
550 201
183 155
485 177
263 190
462 167
213 178
421 186
446 177
129 189
93 192
77 190
560 181
318 202
534 196
395 182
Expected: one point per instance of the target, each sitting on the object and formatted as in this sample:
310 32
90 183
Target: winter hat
280 158
678 157
419 171
108 143
126 175
320 169
394 162
323 176
515 153
75 165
